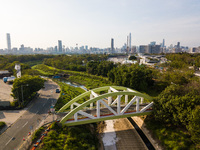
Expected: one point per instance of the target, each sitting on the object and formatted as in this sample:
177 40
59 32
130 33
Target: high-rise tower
59 46
8 41
178 44
112 45
127 50
129 42
163 43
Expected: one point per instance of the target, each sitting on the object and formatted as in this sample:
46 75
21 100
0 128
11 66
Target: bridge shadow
41 105
2 115
125 139
50 86
126 135
3 112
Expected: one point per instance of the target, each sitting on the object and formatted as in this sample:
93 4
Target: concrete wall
4 103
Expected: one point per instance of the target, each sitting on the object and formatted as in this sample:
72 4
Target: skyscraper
163 43
112 45
129 42
59 46
8 41
178 45
153 43
127 46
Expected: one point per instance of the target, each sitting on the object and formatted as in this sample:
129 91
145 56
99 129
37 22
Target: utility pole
23 93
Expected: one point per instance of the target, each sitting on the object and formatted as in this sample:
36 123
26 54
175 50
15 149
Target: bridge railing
107 104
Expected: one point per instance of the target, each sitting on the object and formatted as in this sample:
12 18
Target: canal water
73 84
109 136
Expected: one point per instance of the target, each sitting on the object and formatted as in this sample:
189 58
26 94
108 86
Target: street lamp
22 93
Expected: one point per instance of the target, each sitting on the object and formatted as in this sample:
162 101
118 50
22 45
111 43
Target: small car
44 134
57 91
38 141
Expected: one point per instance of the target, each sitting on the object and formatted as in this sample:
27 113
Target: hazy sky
41 23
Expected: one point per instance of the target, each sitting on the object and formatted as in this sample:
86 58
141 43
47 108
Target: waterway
73 84
109 136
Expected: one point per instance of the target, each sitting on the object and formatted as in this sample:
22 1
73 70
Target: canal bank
119 133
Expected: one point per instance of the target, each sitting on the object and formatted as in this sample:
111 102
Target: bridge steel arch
118 91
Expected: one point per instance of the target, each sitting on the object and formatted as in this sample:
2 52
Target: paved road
37 111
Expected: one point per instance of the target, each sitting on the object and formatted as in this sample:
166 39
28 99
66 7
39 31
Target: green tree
134 76
175 104
28 86
132 58
194 126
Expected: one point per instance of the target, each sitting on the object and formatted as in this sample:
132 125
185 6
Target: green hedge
37 134
81 137
2 124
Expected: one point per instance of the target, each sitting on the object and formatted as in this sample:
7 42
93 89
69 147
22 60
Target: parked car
57 91
38 141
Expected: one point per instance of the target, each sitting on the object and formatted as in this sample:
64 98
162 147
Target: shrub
2 124
37 133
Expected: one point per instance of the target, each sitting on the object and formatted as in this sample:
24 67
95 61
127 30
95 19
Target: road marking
25 124
9 141
37 112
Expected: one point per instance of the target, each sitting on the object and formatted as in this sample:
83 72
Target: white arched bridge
104 103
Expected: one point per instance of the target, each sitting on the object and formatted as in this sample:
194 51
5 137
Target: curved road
12 138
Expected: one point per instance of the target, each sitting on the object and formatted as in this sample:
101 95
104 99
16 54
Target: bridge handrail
72 112
98 90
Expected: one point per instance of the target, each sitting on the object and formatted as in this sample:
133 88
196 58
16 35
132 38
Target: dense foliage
175 120
37 134
2 124
182 60
90 81
70 138
68 93
28 86
132 58
7 62
24 58
178 106
73 62
177 103
134 76
171 137
100 68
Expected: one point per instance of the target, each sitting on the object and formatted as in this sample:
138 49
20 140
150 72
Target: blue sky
41 23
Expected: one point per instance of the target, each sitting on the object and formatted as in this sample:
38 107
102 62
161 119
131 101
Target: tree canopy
134 76
28 86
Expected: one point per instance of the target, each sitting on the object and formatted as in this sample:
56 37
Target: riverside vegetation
175 119
175 92
2 124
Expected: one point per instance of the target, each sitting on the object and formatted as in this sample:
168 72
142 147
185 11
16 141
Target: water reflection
72 84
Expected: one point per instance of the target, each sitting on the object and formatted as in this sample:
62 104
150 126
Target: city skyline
94 23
